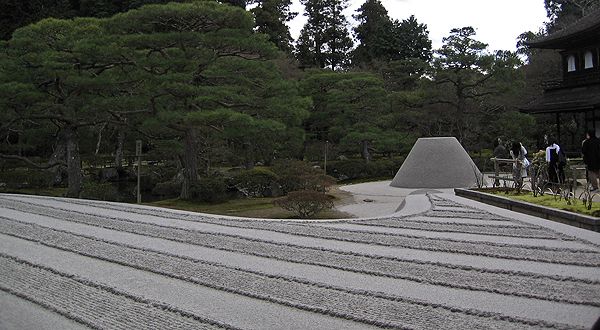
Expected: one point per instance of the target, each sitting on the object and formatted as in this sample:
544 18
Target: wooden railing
499 175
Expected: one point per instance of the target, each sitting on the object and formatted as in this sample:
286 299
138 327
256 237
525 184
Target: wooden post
326 147
496 172
138 153
558 127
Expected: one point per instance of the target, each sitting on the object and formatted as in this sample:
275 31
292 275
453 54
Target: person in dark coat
556 171
499 149
591 157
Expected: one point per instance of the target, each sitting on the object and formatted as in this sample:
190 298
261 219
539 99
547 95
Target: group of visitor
556 159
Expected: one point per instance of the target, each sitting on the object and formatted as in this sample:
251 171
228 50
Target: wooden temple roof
585 31
565 100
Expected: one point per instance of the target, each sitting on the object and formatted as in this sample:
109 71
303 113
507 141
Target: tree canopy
324 40
208 84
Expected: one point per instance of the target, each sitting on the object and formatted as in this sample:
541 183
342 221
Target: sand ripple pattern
373 308
580 257
94 305
360 250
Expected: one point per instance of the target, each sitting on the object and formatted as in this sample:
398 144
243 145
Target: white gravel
447 264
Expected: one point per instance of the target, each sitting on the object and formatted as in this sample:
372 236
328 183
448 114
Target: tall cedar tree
383 39
271 17
324 40
374 32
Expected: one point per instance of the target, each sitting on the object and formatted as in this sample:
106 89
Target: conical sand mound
439 162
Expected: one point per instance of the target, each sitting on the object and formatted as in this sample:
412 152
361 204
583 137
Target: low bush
210 189
258 182
25 178
298 175
305 203
101 191
169 189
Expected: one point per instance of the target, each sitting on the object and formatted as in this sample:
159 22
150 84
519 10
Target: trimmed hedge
210 189
25 178
257 182
101 191
298 175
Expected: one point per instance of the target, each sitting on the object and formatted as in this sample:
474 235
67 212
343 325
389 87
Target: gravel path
452 266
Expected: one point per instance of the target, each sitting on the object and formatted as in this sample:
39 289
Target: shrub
26 178
305 203
101 191
169 189
210 189
298 175
258 182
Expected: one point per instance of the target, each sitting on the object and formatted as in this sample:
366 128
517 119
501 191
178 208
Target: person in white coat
518 153
556 172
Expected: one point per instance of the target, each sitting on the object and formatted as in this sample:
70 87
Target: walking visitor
590 150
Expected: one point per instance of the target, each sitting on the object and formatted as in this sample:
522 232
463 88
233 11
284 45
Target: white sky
497 22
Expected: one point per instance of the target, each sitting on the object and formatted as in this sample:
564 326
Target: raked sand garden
441 262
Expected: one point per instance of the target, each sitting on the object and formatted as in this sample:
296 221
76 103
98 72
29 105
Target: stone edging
566 217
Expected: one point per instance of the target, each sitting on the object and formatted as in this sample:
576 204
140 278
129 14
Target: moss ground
552 201
53 192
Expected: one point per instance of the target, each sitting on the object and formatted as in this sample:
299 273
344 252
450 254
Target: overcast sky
497 22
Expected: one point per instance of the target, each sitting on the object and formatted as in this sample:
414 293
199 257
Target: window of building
571 63
588 60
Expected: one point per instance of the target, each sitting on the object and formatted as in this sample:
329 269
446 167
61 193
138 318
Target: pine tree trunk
248 156
58 156
119 150
73 162
365 151
190 163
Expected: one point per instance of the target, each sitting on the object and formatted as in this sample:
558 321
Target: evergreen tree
18 13
271 17
237 3
70 74
196 72
374 32
324 40
564 12
411 40
206 78
467 76
383 39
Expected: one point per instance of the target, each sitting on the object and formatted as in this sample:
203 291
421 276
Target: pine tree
237 3
325 40
271 17
564 12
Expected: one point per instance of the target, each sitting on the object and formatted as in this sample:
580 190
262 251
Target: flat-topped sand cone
439 162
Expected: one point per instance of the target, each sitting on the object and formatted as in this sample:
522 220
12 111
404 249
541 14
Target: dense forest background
209 86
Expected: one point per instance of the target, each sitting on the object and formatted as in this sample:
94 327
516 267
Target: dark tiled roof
566 99
587 27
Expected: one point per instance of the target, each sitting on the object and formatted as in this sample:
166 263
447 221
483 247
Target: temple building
575 99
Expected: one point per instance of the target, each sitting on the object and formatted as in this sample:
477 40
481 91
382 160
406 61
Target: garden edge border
565 217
